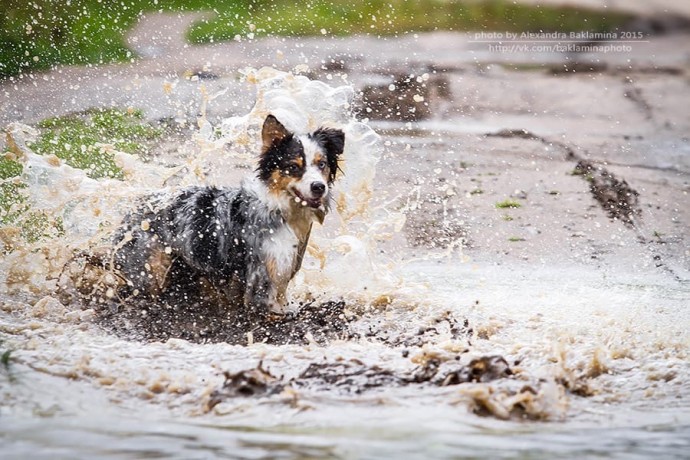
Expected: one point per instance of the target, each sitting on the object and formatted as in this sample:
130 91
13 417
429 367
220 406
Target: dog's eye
321 165
292 168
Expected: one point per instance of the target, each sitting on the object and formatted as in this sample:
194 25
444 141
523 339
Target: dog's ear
272 133
333 142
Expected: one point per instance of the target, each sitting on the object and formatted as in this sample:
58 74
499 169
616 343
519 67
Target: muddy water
444 356
81 392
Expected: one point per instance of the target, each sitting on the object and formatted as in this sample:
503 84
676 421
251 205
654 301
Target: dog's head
300 168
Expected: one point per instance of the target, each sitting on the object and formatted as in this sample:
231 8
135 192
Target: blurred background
35 35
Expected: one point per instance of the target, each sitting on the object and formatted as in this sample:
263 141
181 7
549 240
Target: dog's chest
282 246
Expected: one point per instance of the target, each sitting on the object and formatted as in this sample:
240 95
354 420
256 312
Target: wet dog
241 246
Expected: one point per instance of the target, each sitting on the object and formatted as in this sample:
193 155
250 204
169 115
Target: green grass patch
11 201
74 137
37 34
392 17
5 359
16 212
11 198
36 226
515 239
583 173
9 168
508 204
507 218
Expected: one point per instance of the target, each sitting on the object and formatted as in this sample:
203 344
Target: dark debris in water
314 322
479 370
445 322
616 197
194 316
355 377
351 376
405 98
515 133
203 323
246 383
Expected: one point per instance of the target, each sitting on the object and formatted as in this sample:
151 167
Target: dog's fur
239 247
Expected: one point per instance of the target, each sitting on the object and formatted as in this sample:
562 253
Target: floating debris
616 197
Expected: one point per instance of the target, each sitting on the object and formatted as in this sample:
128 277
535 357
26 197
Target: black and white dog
239 247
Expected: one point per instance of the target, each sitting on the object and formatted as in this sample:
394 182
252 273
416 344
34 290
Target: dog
241 246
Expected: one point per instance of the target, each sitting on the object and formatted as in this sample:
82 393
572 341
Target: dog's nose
318 188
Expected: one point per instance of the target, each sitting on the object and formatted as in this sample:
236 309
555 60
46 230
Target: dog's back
199 246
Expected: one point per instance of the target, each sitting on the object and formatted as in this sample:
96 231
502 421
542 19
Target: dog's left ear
333 142
272 133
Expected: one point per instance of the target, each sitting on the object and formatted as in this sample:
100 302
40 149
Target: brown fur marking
326 171
159 264
272 269
278 182
272 132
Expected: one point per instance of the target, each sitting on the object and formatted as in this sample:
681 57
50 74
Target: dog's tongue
312 203
315 205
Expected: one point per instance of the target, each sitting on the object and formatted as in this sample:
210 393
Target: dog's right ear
333 143
272 133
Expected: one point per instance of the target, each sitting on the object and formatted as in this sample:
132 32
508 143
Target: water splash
90 209
554 347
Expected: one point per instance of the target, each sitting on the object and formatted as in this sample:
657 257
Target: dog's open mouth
311 202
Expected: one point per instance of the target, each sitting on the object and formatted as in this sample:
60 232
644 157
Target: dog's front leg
260 293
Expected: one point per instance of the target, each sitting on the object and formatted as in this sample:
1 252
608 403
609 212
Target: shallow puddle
418 354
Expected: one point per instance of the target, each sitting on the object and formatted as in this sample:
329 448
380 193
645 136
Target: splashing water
91 209
572 352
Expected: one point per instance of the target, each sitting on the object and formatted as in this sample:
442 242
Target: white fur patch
273 202
312 173
282 247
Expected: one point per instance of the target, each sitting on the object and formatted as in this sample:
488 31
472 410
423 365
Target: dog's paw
264 309
276 308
